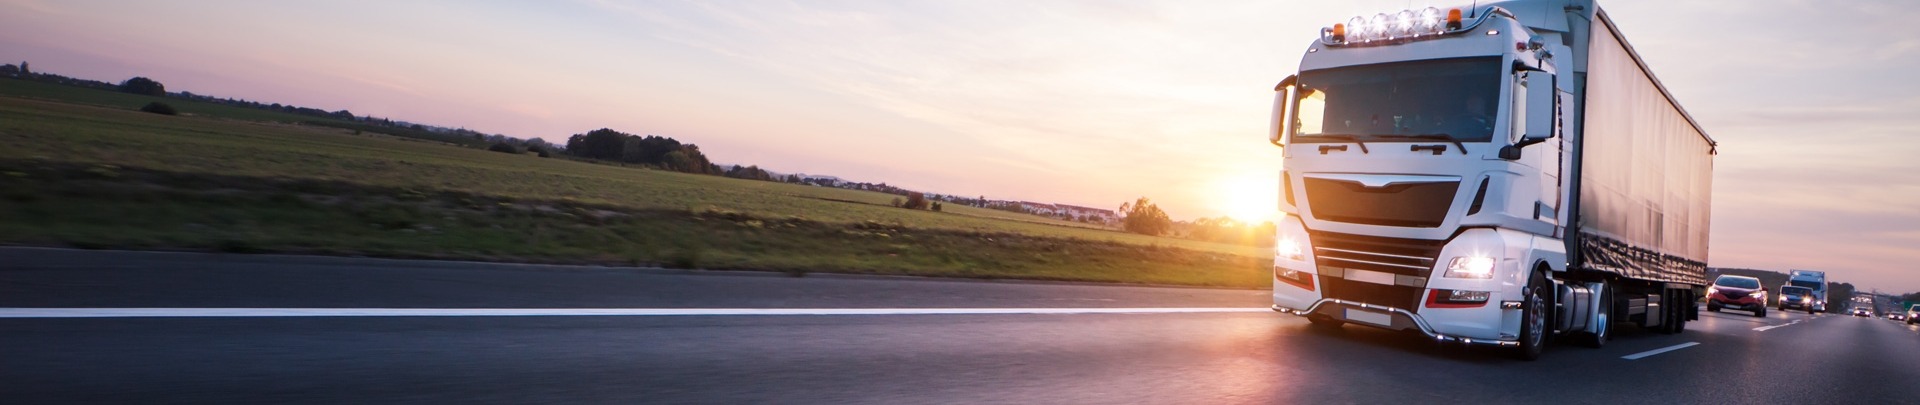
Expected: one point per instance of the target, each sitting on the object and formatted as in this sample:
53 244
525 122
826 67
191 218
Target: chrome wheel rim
1536 309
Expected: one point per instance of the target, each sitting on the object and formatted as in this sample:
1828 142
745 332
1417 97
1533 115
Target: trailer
1498 174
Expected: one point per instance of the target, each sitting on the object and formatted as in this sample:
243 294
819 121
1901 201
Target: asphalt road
1227 357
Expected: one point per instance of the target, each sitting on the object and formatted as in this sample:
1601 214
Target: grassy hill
80 167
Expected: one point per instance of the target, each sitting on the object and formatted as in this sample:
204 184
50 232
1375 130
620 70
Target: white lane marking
1640 355
1771 327
355 312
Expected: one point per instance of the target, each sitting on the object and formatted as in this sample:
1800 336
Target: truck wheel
1603 321
1666 312
1533 318
1681 312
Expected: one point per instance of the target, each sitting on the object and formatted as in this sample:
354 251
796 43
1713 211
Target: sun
1247 198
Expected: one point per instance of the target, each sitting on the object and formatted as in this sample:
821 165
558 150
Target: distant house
1041 209
1092 214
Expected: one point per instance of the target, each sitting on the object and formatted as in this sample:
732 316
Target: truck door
1538 92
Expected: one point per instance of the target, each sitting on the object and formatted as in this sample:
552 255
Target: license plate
1371 317
1370 276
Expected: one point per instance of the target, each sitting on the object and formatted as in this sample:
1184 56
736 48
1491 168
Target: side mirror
1285 105
1537 105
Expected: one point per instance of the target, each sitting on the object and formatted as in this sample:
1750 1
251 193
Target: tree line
602 144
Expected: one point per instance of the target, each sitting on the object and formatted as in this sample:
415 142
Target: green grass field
82 168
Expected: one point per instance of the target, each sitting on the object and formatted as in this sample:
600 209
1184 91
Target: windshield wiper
1437 137
1345 137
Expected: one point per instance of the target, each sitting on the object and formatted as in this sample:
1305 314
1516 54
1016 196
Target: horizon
1087 104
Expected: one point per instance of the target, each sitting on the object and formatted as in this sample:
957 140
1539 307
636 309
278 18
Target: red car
1737 292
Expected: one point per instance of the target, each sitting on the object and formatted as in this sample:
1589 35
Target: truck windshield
1452 99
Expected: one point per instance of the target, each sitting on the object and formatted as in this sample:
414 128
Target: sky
1088 103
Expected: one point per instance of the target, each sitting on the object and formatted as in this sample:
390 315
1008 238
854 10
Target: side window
1313 111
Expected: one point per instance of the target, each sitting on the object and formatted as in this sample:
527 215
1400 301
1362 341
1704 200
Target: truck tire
1603 322
1533 318
1683 311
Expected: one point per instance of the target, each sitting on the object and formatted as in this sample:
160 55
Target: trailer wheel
1684 311
1533 318
1669 312
1603 322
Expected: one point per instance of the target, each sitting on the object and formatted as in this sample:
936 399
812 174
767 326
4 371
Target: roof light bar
1402 26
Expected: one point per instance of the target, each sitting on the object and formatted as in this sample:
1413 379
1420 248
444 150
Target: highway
891 351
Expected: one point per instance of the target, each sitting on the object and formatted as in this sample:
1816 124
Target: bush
503 147
160 108
916 201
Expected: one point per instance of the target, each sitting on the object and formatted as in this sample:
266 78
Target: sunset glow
1082 103
1248 198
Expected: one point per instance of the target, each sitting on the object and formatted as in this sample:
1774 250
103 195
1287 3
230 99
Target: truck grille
1413 257
1419 205
1403 297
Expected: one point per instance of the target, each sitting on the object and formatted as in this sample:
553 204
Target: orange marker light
1453 19
1340 32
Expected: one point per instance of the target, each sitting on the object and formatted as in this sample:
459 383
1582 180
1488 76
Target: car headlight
1757 294
1470 267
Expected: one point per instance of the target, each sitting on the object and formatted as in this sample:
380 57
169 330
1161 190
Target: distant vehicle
1862 312
1813 280
1898 316
1913 312
1796 297
1737 292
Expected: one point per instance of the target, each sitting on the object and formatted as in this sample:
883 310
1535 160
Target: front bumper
1745 303
1397 319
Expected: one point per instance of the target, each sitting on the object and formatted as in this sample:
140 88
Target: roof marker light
1339 33
1453 19
1359 27
1403 24
1378 26
1430 22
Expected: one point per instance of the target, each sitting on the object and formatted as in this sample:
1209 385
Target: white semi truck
1495 174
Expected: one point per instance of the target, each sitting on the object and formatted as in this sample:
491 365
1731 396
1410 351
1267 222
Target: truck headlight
1470 267
1289 249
